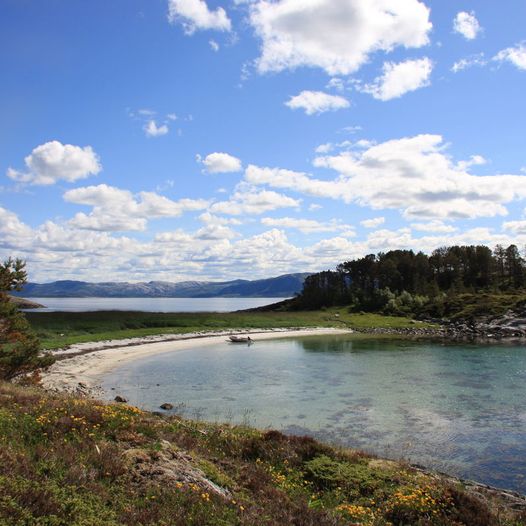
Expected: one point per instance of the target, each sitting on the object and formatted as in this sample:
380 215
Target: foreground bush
78 462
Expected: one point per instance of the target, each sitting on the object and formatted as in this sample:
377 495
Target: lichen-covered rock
169 466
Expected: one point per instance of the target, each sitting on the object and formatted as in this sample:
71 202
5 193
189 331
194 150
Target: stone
120 399
166 406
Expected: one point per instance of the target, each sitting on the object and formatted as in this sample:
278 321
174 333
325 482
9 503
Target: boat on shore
240 339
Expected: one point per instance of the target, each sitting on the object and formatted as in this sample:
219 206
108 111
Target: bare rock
169 467
166 406
120 399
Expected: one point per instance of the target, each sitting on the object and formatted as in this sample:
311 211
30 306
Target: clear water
151 304
456 408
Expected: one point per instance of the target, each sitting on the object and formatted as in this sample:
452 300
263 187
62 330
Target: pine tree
19 347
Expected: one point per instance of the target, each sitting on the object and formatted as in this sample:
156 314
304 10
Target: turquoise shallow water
456 408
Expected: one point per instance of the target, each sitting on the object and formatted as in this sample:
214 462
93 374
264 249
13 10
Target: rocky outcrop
169 466
23 303
511 325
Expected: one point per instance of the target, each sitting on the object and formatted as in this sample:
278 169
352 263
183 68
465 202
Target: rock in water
120 399
166 406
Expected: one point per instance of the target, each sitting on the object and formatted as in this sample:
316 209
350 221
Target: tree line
399 281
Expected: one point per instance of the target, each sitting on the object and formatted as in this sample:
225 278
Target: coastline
80 367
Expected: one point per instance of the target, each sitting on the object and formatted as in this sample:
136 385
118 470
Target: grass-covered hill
77 462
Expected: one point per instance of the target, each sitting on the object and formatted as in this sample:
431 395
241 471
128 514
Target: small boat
240 339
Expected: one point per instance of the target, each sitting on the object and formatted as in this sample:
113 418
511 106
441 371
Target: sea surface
151 304
460 409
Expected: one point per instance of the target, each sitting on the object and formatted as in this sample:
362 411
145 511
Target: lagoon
151 304
455 408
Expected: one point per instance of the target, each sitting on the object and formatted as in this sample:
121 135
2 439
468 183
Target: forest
402 281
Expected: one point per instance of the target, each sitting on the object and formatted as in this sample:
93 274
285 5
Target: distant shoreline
80 368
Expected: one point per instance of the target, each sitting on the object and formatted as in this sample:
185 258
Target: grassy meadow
59 329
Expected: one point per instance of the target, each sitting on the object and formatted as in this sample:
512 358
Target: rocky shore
509 326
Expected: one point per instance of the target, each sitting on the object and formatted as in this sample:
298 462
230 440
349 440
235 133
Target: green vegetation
19 347
66 461
402 283
58 329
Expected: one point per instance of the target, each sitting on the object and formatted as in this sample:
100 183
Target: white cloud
307 226
515 55
373 223
315 102
220 162
434 226
336 83
208 218
53 161
115 209
215 232
152 129
401 78
469 62
250 201
467 25
413 175
214 45
516 227
196 15
474 160
335 36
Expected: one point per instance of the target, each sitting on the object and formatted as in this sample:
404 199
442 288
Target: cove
454 408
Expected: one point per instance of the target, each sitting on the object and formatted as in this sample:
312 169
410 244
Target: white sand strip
99 358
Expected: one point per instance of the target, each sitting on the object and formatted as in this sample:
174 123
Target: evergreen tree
19 347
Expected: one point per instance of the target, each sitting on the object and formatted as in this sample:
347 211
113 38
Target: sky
212 140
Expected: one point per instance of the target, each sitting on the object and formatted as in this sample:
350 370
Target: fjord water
151 304
456 408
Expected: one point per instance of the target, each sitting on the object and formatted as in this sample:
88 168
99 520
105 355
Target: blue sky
184 139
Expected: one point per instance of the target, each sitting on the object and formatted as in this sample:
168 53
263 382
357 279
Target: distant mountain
282 286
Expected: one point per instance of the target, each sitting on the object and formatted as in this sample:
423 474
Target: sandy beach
80 367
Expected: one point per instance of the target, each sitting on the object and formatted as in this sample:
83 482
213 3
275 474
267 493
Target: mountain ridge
286 285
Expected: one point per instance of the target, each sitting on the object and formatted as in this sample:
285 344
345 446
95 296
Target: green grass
66 461
58 329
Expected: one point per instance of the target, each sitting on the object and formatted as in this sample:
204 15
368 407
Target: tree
19 347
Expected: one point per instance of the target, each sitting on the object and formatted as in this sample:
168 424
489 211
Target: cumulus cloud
467 25
307 226
315 102
516 227
62 251
196 15
373 223
469 62
401 78
434 226
152 129
250 201
414 175
335 36
114 209
220 162
515 55
53 161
